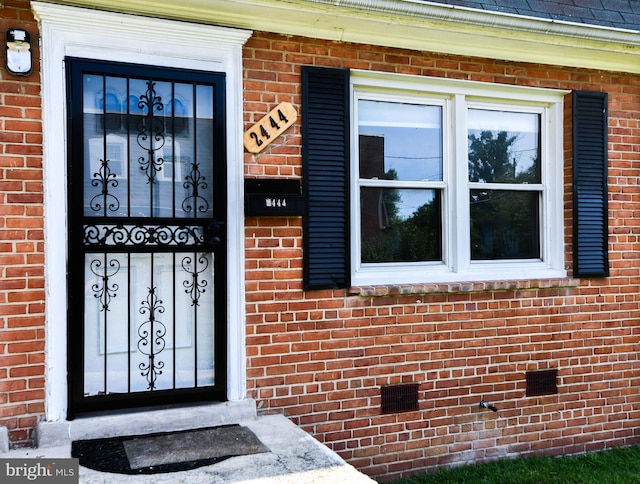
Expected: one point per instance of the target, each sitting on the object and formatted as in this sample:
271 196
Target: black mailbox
273 196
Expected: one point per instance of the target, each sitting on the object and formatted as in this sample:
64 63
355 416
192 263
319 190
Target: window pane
400 225
400 141
505 225
105 153
504 147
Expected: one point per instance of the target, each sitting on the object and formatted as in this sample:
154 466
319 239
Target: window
474 222
454 180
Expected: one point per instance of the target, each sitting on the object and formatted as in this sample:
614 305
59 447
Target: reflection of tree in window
504 223
404 239
493 160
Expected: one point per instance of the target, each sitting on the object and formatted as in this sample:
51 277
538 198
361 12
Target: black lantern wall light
18 52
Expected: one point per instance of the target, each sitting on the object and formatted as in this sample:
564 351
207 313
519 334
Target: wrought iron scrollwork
104 290
135 235
151 137
195 286
151 130
195 182
151 342
104 179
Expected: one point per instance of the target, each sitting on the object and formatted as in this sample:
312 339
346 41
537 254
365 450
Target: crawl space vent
542 382
399 398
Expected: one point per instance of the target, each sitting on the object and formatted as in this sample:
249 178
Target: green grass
615 466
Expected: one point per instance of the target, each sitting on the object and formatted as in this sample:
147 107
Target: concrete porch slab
294 457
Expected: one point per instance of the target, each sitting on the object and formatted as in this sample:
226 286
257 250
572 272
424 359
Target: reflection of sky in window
94 94
410 200
525 126
412 137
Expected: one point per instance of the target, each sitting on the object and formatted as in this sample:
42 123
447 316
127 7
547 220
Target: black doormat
166 451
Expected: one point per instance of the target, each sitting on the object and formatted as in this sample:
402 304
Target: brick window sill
461 287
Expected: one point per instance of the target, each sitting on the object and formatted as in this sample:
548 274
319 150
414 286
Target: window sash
497 233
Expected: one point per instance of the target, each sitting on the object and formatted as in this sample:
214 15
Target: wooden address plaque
261 134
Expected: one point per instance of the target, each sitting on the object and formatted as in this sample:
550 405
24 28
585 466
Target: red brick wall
320 357
21 238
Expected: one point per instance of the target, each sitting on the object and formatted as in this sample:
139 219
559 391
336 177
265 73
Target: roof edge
491 19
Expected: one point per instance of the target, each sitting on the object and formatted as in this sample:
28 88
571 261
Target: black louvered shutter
325 171
590 257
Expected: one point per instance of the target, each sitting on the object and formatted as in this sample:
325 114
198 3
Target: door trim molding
70 31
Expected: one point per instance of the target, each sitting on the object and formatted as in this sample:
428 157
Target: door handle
211 235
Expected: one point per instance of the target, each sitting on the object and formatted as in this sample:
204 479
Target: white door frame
92 34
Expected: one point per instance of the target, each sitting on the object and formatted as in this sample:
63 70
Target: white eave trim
411 24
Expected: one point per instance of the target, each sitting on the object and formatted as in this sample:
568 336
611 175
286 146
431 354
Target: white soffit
409 24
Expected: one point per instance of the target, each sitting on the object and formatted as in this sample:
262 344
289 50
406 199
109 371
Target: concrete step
53 434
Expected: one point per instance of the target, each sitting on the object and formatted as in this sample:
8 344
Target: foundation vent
399 398
542 382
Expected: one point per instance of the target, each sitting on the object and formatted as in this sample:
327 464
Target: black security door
147 237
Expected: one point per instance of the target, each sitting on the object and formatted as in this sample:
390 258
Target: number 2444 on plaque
261 134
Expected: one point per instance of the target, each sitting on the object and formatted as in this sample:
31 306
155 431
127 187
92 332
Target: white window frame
456 97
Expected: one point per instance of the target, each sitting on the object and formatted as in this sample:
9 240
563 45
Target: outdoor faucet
484 404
